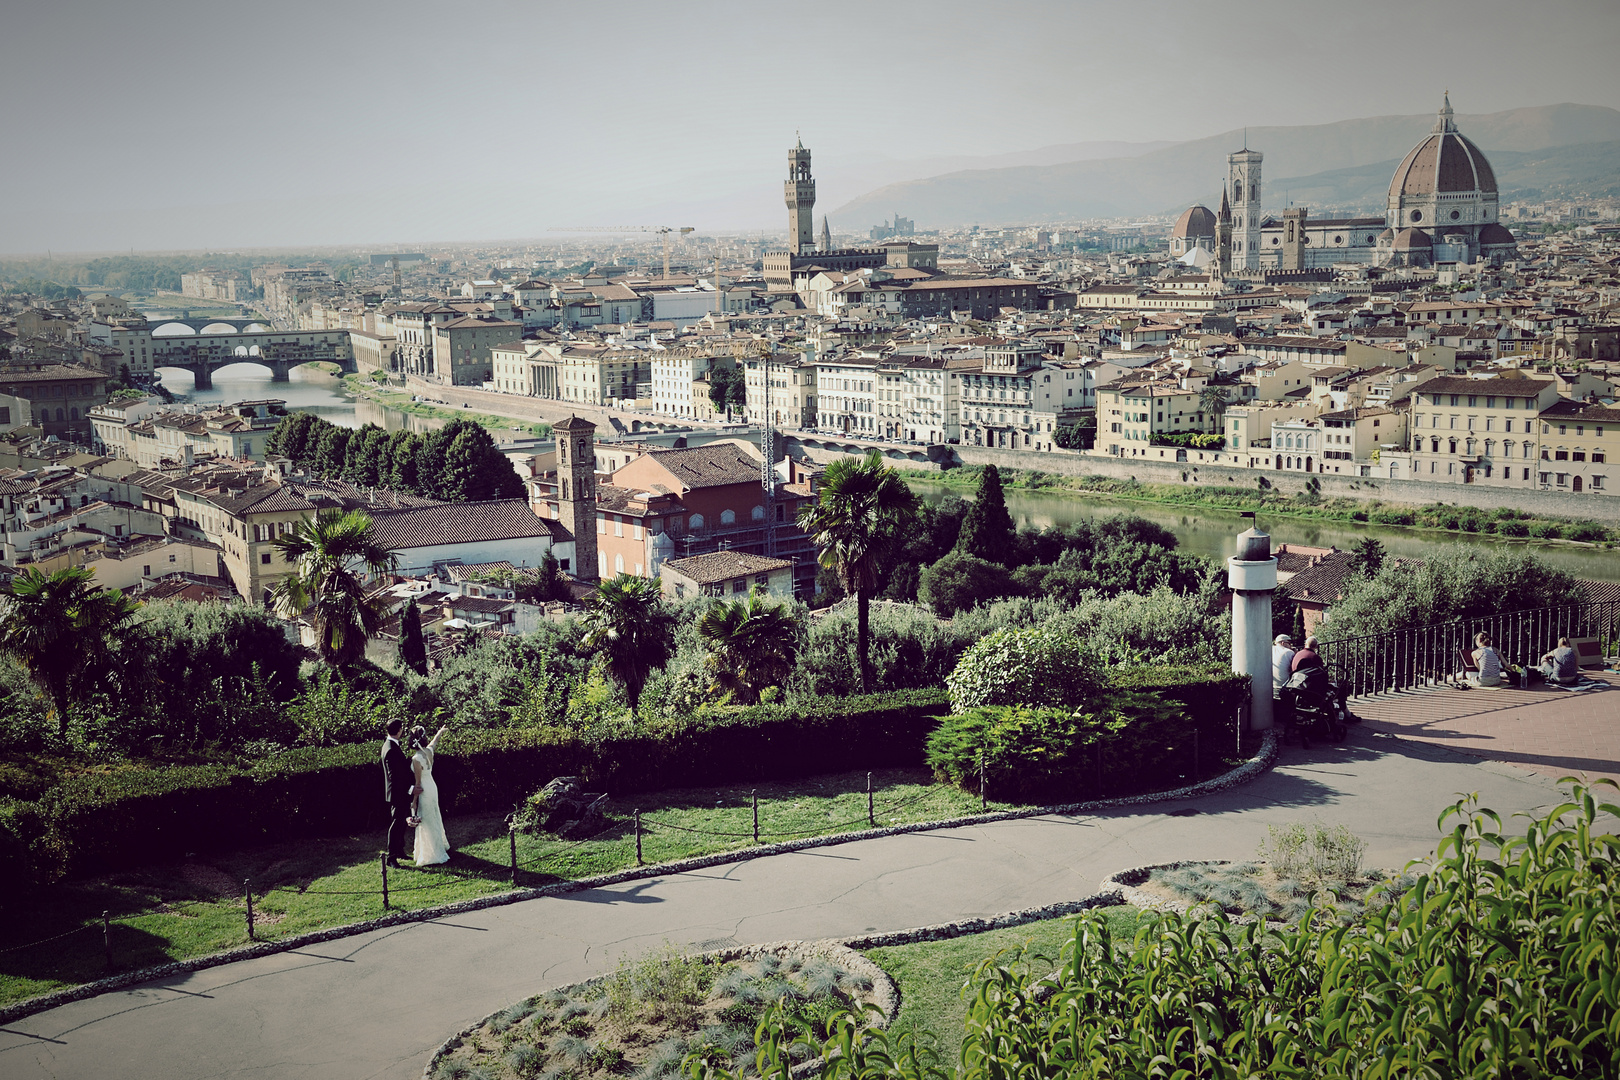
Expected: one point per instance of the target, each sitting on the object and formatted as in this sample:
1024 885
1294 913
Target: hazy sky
190 124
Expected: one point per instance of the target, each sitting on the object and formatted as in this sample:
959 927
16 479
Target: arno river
1207 532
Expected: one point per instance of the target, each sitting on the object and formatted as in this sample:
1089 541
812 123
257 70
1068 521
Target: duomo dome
1446 188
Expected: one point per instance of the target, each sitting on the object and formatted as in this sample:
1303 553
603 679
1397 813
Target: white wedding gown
432 846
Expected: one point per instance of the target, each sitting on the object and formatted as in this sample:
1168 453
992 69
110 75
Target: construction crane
664 230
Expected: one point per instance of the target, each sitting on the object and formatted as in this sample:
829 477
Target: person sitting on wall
1562 665
1307 657
1282 659
1487 661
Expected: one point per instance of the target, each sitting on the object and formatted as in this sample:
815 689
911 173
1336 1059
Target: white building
846 393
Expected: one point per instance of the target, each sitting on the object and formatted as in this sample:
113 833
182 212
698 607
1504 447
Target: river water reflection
1213 533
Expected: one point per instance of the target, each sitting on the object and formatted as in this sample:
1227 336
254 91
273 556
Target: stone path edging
883 988
1263 760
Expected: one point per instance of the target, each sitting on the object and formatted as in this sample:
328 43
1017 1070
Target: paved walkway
376 1005
1549 730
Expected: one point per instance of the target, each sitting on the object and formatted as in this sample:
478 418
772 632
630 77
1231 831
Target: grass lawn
164 913
400 401
932 974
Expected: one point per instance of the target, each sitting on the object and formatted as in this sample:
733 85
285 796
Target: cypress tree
987 530
412 648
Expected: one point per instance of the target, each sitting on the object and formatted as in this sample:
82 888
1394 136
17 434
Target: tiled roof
459 523
724 565
714 465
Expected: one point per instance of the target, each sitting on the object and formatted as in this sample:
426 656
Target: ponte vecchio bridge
205 344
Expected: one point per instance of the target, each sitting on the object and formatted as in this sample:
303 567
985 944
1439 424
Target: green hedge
142 815
1138 736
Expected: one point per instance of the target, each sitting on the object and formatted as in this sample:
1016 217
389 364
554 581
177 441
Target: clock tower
801 202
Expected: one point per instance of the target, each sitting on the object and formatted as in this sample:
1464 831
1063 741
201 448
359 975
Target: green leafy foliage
1498 961
961 581
1036 665
987 530
1134 733
632 629
458 462
1453 583
859 519
136 815
752 645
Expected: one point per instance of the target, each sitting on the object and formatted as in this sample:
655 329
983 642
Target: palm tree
861 514
633 629
333 555
1213 400
752 645
59 626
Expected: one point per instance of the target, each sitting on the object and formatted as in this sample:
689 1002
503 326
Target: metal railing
1426 655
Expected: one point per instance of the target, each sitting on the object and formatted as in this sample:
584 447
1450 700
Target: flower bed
644 1019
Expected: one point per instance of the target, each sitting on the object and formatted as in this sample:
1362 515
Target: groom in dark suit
398 782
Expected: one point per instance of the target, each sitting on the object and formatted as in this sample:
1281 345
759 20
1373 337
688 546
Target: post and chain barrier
388 891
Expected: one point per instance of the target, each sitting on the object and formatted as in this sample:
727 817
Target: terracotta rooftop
720 566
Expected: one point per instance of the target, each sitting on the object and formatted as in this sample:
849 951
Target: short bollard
106 937
756 817
511 836
385 882
247 891
638 837
871 819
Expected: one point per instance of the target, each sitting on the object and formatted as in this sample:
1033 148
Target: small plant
1336 852
1284 849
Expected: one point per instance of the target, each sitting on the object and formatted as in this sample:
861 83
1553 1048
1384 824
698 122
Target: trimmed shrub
1032 666
143 815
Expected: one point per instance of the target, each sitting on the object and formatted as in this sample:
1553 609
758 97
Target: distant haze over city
188 125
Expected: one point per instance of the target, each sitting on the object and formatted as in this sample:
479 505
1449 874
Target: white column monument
1252 575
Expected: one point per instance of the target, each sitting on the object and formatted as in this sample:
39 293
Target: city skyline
186 126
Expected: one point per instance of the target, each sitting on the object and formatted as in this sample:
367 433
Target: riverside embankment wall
1598 507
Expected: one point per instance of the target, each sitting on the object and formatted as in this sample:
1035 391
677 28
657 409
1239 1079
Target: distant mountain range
1342 164
1593 168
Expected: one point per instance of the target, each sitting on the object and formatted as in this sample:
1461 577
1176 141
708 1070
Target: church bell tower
576 491
801 201
1243 181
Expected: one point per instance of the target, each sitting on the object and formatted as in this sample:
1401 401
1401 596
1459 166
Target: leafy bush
1587 531
1454 583
1392 517
1497 961
960 581
1546 530
1512 528
1032 666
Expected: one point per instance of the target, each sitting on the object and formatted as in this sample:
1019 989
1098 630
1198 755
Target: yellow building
1577 443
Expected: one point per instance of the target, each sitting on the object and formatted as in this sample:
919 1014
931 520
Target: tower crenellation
800 192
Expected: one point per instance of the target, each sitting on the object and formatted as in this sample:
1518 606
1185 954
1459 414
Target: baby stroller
1314 707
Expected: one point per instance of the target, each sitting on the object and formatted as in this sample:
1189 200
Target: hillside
1364 151
1582 169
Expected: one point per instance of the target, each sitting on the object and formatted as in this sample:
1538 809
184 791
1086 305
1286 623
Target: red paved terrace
1551 731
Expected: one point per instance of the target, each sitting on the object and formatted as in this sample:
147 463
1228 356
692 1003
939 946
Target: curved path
377 1004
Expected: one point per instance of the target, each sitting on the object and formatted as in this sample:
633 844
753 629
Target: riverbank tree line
1310 503
459 461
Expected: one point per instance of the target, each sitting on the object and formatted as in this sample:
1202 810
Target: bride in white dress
432 846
